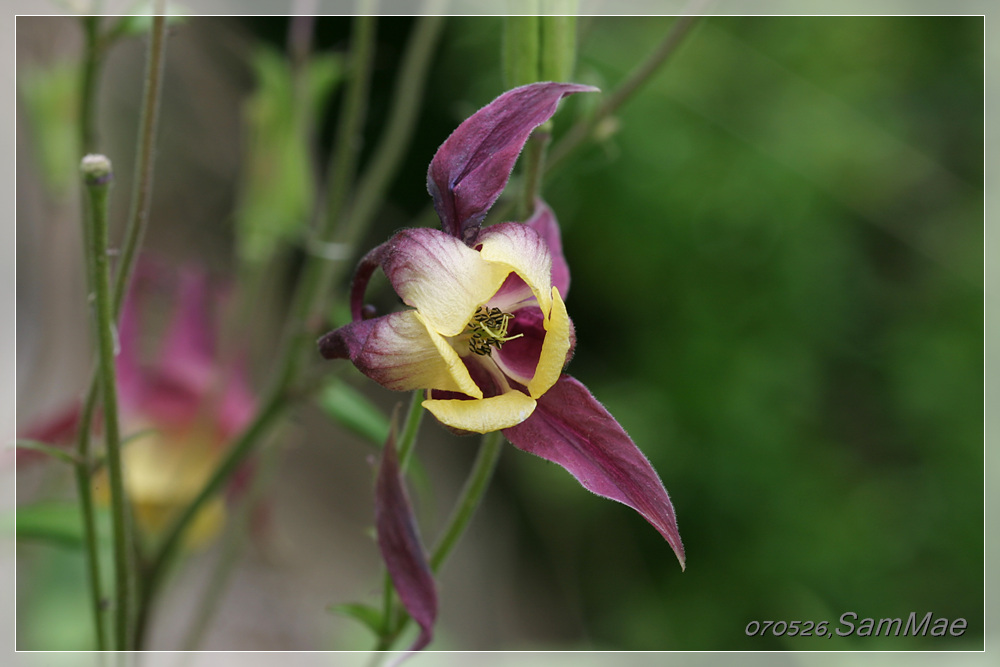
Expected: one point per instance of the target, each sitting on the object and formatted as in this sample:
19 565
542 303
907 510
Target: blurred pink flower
177 411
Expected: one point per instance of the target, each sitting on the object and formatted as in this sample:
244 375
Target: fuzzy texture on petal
399 543
483 415
543 221
400 352
471 168
571 428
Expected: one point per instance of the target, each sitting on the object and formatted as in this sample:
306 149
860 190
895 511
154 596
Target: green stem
86 500
408 438
308 294
133 240
236 537
394 141
584 127
533 169
97 178
475 486
259 427
92 61
142 189
317 274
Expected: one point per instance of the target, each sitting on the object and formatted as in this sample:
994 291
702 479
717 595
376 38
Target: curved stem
584 127
142 188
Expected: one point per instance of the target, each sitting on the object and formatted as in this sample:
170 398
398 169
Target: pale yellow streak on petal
455 369
484 415
554 348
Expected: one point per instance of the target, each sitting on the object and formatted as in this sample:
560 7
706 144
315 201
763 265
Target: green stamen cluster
488 328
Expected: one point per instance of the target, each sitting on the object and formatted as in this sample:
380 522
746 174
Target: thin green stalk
533 168
408 438
92 61
584 127
142 188
235 539
97 178
520 44
395 139
475 487
318 272
306 297
140 208
257 429
86 500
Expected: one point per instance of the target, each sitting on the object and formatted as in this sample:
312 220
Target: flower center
488 327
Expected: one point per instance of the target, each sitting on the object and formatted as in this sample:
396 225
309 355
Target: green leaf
51 102
353 410
277 188
54 522
368 616
58 453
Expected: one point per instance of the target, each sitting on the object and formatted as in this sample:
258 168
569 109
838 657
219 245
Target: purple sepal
543 221
400 546
472 166
571 428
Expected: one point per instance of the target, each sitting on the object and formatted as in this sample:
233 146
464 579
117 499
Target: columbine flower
180 410
488 334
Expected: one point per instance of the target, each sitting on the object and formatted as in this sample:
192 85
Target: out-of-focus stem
583 128
86 500
307 293
392 145
142 182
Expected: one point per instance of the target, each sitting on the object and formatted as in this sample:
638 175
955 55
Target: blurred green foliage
777 289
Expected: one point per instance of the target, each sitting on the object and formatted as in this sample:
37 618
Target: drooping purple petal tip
399 543
472 166
571 428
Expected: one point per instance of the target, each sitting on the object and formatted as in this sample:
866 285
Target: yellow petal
483 415
521 249
441 277
555 347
